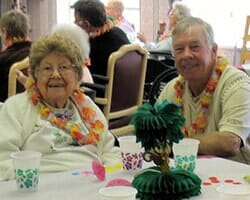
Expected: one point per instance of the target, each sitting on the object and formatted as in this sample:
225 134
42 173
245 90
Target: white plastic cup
118 192
131 153
129 144
185 153
26 167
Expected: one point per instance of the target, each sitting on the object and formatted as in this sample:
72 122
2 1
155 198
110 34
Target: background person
161 30
53 116
14 27
178 12
105 37
80 37
115 9
215 97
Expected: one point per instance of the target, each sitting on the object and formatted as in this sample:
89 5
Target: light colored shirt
126 26
22 128
163 45
129 29
228 111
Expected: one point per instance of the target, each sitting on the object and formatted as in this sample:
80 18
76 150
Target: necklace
201 121
105 28
64 113
166 35
87 113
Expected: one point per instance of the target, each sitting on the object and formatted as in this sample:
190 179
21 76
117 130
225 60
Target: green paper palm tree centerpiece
157 127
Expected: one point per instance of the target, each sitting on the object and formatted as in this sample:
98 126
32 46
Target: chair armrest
89 92
93 86
101 101
100 79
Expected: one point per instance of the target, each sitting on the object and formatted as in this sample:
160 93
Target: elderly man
214 97
115 9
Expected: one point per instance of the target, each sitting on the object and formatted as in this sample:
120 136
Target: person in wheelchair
178 12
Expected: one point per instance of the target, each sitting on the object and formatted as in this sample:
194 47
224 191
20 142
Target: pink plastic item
118 182
98 170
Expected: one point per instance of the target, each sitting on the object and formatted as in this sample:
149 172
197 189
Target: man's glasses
78 22
63 70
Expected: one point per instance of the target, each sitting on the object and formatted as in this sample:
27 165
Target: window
64 13
227 18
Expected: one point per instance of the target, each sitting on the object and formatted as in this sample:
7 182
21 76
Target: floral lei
165 35
105 28
93 124
201 122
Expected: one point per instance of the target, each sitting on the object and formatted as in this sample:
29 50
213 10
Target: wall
5 5
42 16
41 13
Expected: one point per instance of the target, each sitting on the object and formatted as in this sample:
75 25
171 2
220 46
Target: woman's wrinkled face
194 58
57 78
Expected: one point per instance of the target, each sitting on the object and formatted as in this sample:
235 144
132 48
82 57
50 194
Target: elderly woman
14 28
178 12
53 116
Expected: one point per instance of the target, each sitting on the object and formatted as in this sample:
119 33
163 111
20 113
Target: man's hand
224 144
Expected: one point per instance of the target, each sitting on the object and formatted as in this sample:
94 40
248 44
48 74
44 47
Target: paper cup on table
118 192
26 166
185 153
131 152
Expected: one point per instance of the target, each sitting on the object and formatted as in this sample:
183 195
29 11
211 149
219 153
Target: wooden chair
21 65
245 52
123 87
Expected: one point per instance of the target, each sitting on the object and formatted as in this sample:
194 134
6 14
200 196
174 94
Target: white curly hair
77 34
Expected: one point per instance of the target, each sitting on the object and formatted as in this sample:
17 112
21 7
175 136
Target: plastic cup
131 153
185 153
26 167
118 192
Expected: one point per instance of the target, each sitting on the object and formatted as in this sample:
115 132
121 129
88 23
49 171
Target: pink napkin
118 182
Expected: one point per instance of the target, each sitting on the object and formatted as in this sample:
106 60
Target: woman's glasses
48 70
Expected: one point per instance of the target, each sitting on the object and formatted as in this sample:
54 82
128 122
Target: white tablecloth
66 186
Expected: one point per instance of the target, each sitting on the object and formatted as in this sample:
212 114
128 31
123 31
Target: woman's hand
21 77
142 37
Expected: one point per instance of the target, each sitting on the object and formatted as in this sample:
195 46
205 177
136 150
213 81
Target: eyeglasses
63 70
78 22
